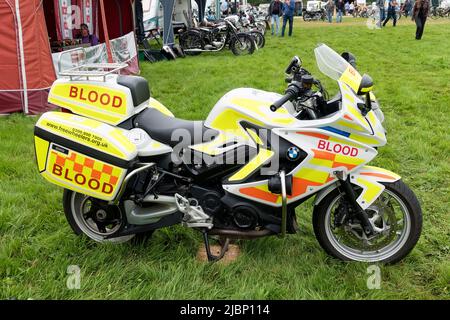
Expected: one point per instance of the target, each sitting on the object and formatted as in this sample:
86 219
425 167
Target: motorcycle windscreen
337 68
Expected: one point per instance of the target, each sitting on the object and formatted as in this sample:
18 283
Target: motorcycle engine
234 216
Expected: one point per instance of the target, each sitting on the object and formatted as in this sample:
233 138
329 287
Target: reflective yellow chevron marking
41 148
348 160
366 140
263 156
123 140
357 114
372 117
213 147
255 136
321 162
256 107
312 175
229 120
349 97
353 126
371 189
153 103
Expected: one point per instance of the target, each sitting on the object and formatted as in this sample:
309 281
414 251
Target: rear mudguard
368 178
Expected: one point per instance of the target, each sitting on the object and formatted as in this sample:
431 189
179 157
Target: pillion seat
138 87
170 130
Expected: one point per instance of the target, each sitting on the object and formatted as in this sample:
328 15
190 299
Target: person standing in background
224 7
407 7
420 14
351 8
275 12
330 9
380 5
391 12
346 7
340 9
288 15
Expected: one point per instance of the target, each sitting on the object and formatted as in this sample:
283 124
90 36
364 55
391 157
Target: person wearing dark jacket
407 6
288 15
391 12
275 12
420 14
340 10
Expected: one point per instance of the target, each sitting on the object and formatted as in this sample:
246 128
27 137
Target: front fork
350 195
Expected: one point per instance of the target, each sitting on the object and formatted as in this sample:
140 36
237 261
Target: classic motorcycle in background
128 166
216 37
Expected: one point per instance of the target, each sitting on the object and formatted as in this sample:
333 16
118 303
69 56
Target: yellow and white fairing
343 141
370 179
243 105
326 154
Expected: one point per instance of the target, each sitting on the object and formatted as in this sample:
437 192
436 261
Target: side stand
223 250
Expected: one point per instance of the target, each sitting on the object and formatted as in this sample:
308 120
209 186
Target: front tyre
242 44
93 217
396 217
259 39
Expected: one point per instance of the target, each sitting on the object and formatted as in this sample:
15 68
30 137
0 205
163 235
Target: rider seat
172 131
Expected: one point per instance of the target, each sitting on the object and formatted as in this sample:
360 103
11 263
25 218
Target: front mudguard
368 178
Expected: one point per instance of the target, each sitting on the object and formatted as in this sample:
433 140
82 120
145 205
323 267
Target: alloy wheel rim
391 231
81 205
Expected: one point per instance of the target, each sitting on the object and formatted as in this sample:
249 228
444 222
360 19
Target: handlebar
291 92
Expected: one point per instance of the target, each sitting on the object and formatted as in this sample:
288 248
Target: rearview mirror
350 58
365 85
294 65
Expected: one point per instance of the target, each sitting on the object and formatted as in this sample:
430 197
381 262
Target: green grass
412 82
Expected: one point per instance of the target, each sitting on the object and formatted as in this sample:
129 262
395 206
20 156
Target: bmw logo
293 153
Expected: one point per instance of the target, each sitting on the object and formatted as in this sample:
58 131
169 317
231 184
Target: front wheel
242 44
396 218
259 39
93 217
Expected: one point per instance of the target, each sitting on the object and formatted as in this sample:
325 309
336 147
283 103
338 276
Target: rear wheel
93 217
242 44
191 40
395 216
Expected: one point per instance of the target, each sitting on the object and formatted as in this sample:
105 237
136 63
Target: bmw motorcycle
129 167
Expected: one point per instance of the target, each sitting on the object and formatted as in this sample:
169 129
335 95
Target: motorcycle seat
170 130
138 87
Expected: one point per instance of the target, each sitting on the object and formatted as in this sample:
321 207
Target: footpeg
194 217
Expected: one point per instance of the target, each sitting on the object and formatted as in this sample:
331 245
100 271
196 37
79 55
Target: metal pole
105 31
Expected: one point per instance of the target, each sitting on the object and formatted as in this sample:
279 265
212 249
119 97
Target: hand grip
291 93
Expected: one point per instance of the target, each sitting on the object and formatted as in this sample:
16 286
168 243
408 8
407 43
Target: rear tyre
396 217
93 217
242 44
191 40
